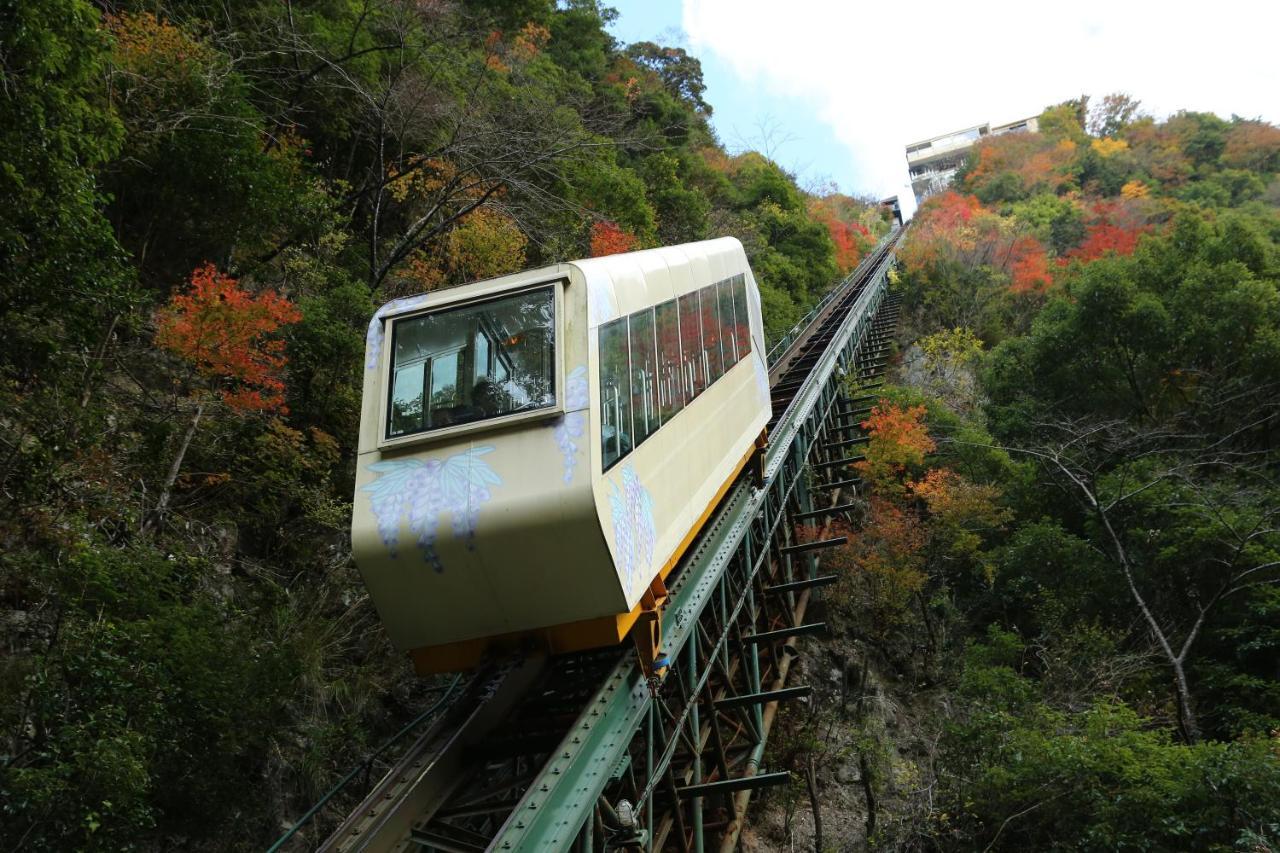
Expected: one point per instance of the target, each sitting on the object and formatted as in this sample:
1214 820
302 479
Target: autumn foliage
1114 228
920 521
608 238
227 334
898 443
1029 266
956 229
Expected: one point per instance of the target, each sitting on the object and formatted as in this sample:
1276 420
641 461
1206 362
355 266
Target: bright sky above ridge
837 89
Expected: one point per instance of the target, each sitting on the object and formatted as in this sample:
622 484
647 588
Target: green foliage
1133 707
1028 775
56 246
1141 335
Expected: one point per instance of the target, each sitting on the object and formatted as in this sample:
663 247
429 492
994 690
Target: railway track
582 751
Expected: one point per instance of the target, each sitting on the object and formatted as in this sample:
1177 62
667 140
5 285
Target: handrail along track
584 752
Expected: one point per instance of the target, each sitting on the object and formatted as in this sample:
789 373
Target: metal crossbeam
761 698
797 586
728 786
816 545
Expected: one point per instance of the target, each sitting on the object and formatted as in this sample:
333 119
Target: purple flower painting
570 427
633 530
423 491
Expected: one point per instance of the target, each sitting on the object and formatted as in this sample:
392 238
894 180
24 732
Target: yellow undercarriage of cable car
537 451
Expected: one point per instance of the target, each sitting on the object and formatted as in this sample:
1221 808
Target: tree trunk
166 491
1186 707
90 370
811 779
868 791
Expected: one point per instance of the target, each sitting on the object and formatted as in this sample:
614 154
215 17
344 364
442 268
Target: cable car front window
473 363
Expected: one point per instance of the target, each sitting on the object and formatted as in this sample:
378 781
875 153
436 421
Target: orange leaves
954 499
1029 266
852 241
952 210
1037 161
502 58
530 41
840 215
225 333
945 229
1103 237
898 442
1253 145
608 238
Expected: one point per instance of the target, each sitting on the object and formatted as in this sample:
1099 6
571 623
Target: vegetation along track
582 751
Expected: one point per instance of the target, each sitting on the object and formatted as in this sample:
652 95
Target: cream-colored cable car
538 450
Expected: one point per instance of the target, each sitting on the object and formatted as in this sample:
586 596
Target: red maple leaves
225 333
608 238
1113 228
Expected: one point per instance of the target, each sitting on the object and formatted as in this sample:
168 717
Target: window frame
387 380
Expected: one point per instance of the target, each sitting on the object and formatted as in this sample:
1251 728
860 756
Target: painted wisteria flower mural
373 338
425 490
633 530
570 427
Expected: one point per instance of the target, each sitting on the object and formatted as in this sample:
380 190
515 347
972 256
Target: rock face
876 733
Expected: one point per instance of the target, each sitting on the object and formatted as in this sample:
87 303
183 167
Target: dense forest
203 202
1058 624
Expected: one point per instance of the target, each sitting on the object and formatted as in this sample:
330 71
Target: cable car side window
742 325
670 384
615 392
694 371
728 340
472 363
711 357
644 376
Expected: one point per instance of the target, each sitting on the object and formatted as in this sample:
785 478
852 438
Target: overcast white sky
882 74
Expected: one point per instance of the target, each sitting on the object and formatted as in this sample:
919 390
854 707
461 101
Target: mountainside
1058 621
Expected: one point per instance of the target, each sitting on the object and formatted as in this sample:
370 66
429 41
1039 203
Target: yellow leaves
1108 146
487 244
1134 189
959 345
421 176
1066 146
144 42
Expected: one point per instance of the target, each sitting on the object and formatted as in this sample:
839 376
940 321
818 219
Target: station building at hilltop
933 162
